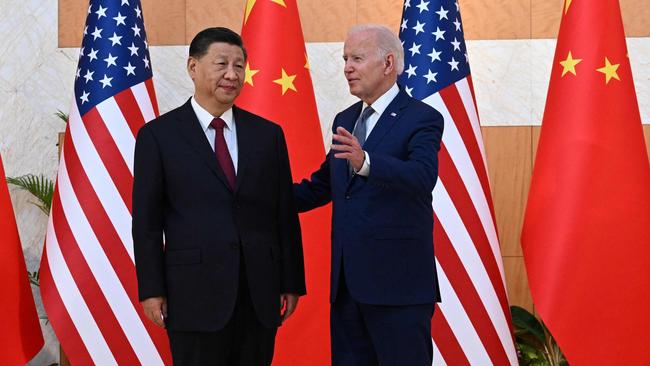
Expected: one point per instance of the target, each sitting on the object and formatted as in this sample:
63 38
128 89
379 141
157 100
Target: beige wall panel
517 282
164 21
546 16
496 19
72 17
327 21
509 163
203 14
387 12
535 141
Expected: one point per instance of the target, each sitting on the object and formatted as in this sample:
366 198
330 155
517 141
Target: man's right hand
155 308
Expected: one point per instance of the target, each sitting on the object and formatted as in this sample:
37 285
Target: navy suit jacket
382 225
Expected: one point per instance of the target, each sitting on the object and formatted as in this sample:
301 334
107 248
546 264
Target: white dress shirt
379 106
229 132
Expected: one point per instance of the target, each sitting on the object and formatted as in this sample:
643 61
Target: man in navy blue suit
379 176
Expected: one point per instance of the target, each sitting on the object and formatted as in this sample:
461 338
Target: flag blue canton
435 55
114 53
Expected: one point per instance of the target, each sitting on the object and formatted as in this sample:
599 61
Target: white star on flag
453 63
442 13
411 71
106 81
110 60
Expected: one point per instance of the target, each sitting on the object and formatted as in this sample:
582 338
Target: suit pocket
183 257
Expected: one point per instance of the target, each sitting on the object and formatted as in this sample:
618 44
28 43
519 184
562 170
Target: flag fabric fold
586 234
20 333
471 326
88 280
278 87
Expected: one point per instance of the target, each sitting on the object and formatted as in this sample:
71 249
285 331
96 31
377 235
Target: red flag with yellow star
278 87
586 235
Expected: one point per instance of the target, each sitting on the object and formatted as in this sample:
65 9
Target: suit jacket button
347 197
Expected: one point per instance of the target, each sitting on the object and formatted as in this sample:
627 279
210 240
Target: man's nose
231 74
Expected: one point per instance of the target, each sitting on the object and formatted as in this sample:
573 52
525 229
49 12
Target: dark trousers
244 341
371 335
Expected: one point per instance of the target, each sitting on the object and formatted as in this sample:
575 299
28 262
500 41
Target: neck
381 90
216 109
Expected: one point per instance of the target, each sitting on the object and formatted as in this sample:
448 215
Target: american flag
471 326
88 280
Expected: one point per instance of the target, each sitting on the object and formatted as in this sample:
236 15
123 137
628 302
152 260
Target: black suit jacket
181 197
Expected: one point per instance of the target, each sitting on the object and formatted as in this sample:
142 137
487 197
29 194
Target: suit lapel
245 144
391 114
190 130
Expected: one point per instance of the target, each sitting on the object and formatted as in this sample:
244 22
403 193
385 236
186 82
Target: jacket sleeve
147 229
315 191
418 173
293 268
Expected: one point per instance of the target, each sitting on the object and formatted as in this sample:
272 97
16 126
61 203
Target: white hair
387 42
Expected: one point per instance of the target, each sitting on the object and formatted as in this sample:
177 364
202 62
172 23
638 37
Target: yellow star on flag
609 70
249 8
248 79
281 2
286 81
569 65
306 62
567 3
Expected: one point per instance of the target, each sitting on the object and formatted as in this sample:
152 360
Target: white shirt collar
205 118
380 105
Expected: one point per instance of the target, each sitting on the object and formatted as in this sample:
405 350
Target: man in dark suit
380 180
217 239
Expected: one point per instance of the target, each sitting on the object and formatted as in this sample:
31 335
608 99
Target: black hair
205 38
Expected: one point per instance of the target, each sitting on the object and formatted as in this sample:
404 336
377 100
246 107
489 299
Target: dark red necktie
221 150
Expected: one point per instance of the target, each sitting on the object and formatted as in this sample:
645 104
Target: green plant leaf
64 117
526 323
39 186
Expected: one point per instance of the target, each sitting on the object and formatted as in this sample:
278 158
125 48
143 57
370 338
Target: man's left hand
288 304
348 148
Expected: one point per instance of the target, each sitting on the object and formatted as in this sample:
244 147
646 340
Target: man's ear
389 63
191 66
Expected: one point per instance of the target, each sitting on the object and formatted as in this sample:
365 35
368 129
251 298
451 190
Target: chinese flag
20 331
278 87
586 235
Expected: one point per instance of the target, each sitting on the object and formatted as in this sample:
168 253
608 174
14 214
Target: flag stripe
129 108
105 273
459 235
462 161
73 302
451 308
471 222
445 342
120 127
99 309
467 134
465 93
469 297
101 181
438 360
141 92
152 98
109 153
75 347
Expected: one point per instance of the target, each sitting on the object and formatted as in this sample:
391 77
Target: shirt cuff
365 168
